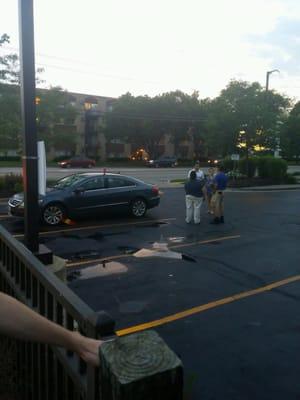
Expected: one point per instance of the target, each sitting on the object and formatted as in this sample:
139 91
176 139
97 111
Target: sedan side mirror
79 190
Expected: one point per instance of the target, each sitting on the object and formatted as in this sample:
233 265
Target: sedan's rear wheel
53 214
138 208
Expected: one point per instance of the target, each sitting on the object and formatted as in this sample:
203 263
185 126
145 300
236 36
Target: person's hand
86 348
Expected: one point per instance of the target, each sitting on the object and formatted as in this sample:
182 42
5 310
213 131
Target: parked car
89 194
77 162
163 162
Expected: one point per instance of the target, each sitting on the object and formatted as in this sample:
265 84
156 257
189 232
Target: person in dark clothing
193 198
220 184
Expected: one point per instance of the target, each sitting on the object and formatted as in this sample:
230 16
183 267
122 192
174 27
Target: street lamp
268 77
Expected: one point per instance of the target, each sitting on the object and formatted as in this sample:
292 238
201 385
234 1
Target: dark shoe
222 220
215 221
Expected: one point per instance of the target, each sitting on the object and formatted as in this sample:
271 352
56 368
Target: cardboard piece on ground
143 253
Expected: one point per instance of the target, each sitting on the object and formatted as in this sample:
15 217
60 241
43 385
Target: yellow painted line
207 306
99 260
82 228
175 246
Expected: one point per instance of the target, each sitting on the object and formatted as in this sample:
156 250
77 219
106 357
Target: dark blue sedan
89 194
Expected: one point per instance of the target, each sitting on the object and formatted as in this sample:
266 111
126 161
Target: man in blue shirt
220 184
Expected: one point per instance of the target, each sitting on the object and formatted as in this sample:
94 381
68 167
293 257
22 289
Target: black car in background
166 162
89 194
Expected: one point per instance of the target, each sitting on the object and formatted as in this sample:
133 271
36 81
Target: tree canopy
55 114
243 116
290 134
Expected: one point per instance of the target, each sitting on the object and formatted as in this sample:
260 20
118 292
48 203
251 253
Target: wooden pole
140 367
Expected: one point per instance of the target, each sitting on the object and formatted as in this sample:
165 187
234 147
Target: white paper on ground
160 246
154 253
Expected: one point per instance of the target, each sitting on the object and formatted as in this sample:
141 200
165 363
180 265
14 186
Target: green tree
144 121
8 64
245 116
10 113
55 114
55 119
290 134
10 117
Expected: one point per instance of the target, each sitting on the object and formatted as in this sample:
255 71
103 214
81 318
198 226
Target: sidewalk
240 189
265 188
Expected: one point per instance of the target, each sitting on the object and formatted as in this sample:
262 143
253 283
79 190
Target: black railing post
30 166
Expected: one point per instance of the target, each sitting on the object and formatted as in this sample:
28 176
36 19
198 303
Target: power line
110 76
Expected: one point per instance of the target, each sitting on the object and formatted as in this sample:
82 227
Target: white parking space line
89 227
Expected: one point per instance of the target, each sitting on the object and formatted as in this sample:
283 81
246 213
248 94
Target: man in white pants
193 198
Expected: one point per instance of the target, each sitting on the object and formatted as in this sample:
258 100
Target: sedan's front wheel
138 208
53 214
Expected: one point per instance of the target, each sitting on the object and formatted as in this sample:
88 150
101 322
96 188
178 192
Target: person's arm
215 182
21 322
186 187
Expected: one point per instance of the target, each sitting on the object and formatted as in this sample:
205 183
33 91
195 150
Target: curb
242 189
264 189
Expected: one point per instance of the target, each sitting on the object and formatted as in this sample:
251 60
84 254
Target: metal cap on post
27 76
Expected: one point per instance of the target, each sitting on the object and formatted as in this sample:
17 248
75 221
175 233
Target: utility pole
30 161
276 149
268 78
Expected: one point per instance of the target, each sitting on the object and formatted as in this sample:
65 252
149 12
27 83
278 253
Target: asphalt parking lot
229 308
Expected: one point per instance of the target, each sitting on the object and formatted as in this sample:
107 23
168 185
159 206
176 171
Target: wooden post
140 367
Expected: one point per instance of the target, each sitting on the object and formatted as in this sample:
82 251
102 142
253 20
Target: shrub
236 175
18 187
60 158
8 158
270 167
119 159
262 166
291 179
242 166
8 182
228 164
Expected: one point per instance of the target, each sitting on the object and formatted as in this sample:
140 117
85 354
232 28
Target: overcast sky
149 47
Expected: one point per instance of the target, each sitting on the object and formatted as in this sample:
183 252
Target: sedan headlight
21 205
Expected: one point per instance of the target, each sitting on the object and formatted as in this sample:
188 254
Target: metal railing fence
47 372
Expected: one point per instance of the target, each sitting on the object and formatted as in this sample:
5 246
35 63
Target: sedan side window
94 183
115 182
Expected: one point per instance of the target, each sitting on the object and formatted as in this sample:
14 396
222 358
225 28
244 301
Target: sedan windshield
69 181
